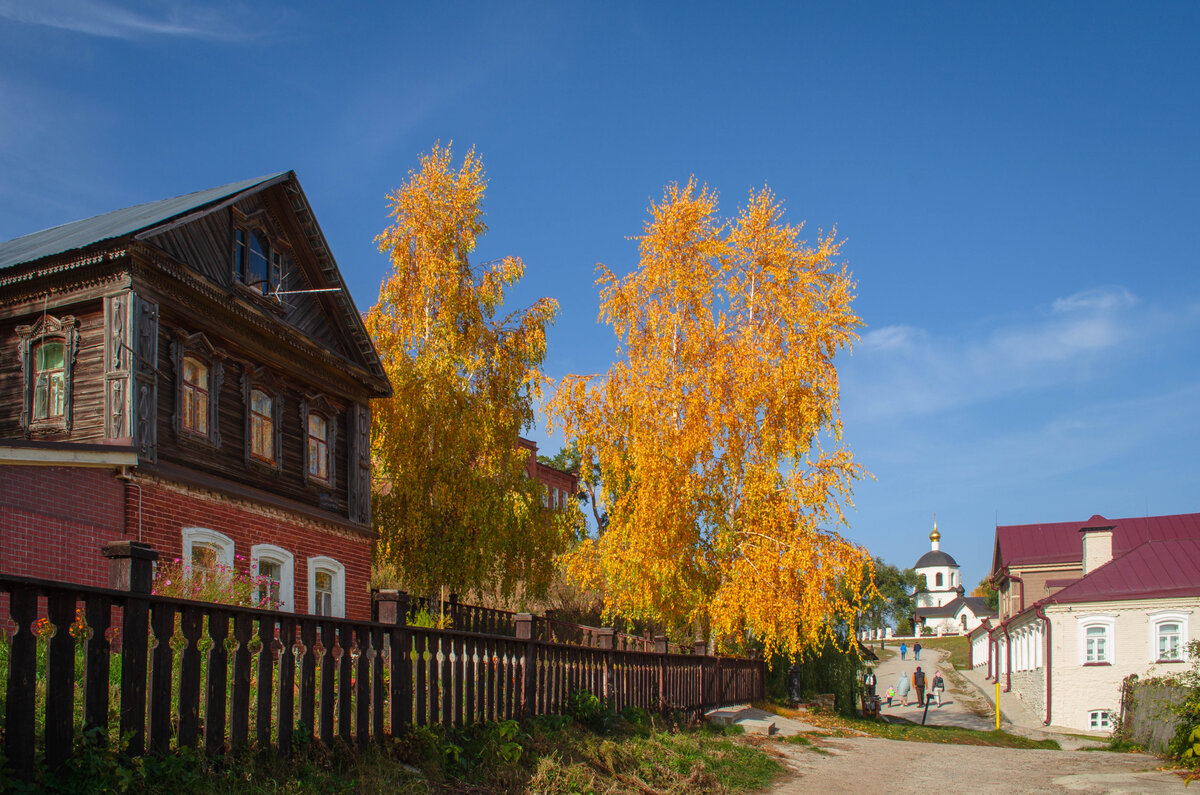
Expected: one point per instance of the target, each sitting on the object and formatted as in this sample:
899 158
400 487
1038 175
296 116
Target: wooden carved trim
329 411
198 345
263 379
47 327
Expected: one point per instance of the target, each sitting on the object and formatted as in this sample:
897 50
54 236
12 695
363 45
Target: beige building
1131 608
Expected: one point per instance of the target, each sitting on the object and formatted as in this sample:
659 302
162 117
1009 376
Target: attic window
259 259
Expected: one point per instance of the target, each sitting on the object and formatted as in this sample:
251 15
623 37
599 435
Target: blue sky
1017 187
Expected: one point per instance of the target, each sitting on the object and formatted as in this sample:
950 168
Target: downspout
1037 611
1008 654
993 650
127 476
1015 578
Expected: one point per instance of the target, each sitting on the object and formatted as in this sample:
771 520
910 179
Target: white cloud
900 370
890 338
1096 299
109 20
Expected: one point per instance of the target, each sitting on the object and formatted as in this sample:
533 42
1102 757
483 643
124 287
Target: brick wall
167 508
55 519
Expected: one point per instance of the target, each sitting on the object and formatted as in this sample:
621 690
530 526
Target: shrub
224 585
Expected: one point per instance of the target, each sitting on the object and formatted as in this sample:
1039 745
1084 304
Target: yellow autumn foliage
453 506
717 429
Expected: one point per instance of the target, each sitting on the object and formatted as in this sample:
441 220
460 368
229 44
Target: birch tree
717 430
453 506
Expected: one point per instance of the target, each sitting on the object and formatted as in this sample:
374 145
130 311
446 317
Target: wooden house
193 374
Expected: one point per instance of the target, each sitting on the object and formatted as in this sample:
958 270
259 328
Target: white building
942 580
1132 609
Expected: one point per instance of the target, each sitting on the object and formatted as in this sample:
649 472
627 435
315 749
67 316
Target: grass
550 755
958 647
702 761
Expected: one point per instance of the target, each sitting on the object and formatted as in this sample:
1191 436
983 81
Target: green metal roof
119 223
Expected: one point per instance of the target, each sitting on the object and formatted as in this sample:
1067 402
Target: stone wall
1149 718
1030 688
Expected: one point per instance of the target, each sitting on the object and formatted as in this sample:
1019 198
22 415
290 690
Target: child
891 693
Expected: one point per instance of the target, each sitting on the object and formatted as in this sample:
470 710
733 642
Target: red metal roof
1061 542
1153 569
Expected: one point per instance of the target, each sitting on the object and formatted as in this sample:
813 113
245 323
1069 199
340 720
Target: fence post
393 609
529 668
605 636
660 649
131 568
454 622
700 649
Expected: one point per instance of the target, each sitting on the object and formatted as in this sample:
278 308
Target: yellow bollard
997 703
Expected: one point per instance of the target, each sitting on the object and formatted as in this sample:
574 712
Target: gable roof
976 604
143 220
1155 568
119 223
1061 542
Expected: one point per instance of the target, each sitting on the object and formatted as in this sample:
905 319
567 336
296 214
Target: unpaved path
872 764
958 707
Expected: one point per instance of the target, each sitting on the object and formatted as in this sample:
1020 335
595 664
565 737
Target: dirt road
871 764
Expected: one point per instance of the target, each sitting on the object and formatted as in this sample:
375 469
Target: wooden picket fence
161 673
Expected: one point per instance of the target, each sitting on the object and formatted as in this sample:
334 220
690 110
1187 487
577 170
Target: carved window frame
287 572
197 346
47 328
337 575
263 380
327 410
279 254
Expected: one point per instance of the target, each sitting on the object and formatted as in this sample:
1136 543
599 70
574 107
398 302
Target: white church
942 608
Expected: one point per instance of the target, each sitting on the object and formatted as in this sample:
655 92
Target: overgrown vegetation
590 749
1185 745
827 669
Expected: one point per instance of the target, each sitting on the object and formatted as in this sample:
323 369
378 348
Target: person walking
919 686
917 650
869 681
891 693
902 688
938 686
903 650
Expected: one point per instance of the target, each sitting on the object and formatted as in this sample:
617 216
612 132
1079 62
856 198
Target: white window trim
339 584
1168 617
1106 719
287 571
205 536
1109 622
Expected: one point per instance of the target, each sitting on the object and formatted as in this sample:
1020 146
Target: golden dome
935 535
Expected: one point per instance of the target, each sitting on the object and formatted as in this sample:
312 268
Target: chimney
1097 543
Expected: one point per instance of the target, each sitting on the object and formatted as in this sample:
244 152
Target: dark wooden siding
205 245
88 396
87 400
10 380
230 460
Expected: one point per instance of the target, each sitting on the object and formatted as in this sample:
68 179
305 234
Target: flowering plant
222 584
